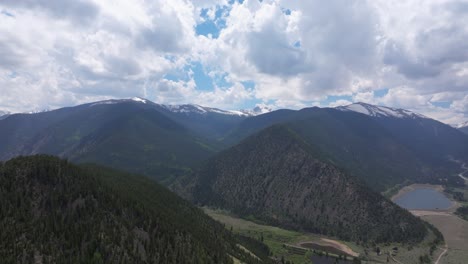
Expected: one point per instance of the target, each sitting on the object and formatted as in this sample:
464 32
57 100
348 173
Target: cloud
271 54
319 46
340 103
10 55
294 53
79 12
171 28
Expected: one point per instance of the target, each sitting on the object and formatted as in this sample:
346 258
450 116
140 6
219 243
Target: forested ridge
276 177
56 212
380 151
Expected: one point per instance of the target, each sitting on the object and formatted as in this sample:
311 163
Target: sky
236 54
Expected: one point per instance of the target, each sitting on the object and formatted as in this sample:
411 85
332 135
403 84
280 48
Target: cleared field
274 237
321 247
455 231
453 228
287 243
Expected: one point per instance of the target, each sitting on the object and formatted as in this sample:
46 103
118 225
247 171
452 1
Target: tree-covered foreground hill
54 212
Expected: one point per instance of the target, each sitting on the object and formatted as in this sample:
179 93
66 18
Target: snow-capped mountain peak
379 111
194 108
117 101
4 114
185 108
139 100
460 125
191 108
257 110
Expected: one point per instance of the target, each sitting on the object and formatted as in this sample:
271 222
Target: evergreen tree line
57 212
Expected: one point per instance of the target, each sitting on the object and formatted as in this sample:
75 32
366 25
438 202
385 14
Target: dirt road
461 174
441 254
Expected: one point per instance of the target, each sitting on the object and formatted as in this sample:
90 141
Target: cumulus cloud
77 11
296 53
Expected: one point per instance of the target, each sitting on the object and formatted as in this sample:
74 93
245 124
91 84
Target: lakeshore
453 228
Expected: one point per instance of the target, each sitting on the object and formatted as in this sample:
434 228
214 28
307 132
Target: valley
296 245
453 228
323 193
233 132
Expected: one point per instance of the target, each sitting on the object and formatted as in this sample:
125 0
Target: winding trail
465 170
441 254
462 173
394 260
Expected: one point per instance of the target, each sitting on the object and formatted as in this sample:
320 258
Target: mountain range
4 114
463 127
319 170
379 145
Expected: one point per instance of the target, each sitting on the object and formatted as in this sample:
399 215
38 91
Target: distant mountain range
463 127
382 146
314 169
4 114
380 111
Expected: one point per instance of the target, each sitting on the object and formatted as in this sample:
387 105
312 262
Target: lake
423 199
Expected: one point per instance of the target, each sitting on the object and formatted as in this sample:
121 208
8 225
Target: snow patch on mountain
379 111
140 100
4 114
460 125
108 102
38 111
257 110
193 108
117 101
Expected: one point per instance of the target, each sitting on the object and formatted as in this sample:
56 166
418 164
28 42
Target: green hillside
55 212
382 152
127 135
277 177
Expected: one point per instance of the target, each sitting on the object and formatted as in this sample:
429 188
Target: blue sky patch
208 28
248 84
212 26
333 98
202 79
249 104
231 2
381 92
442 104
221 81
286 11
